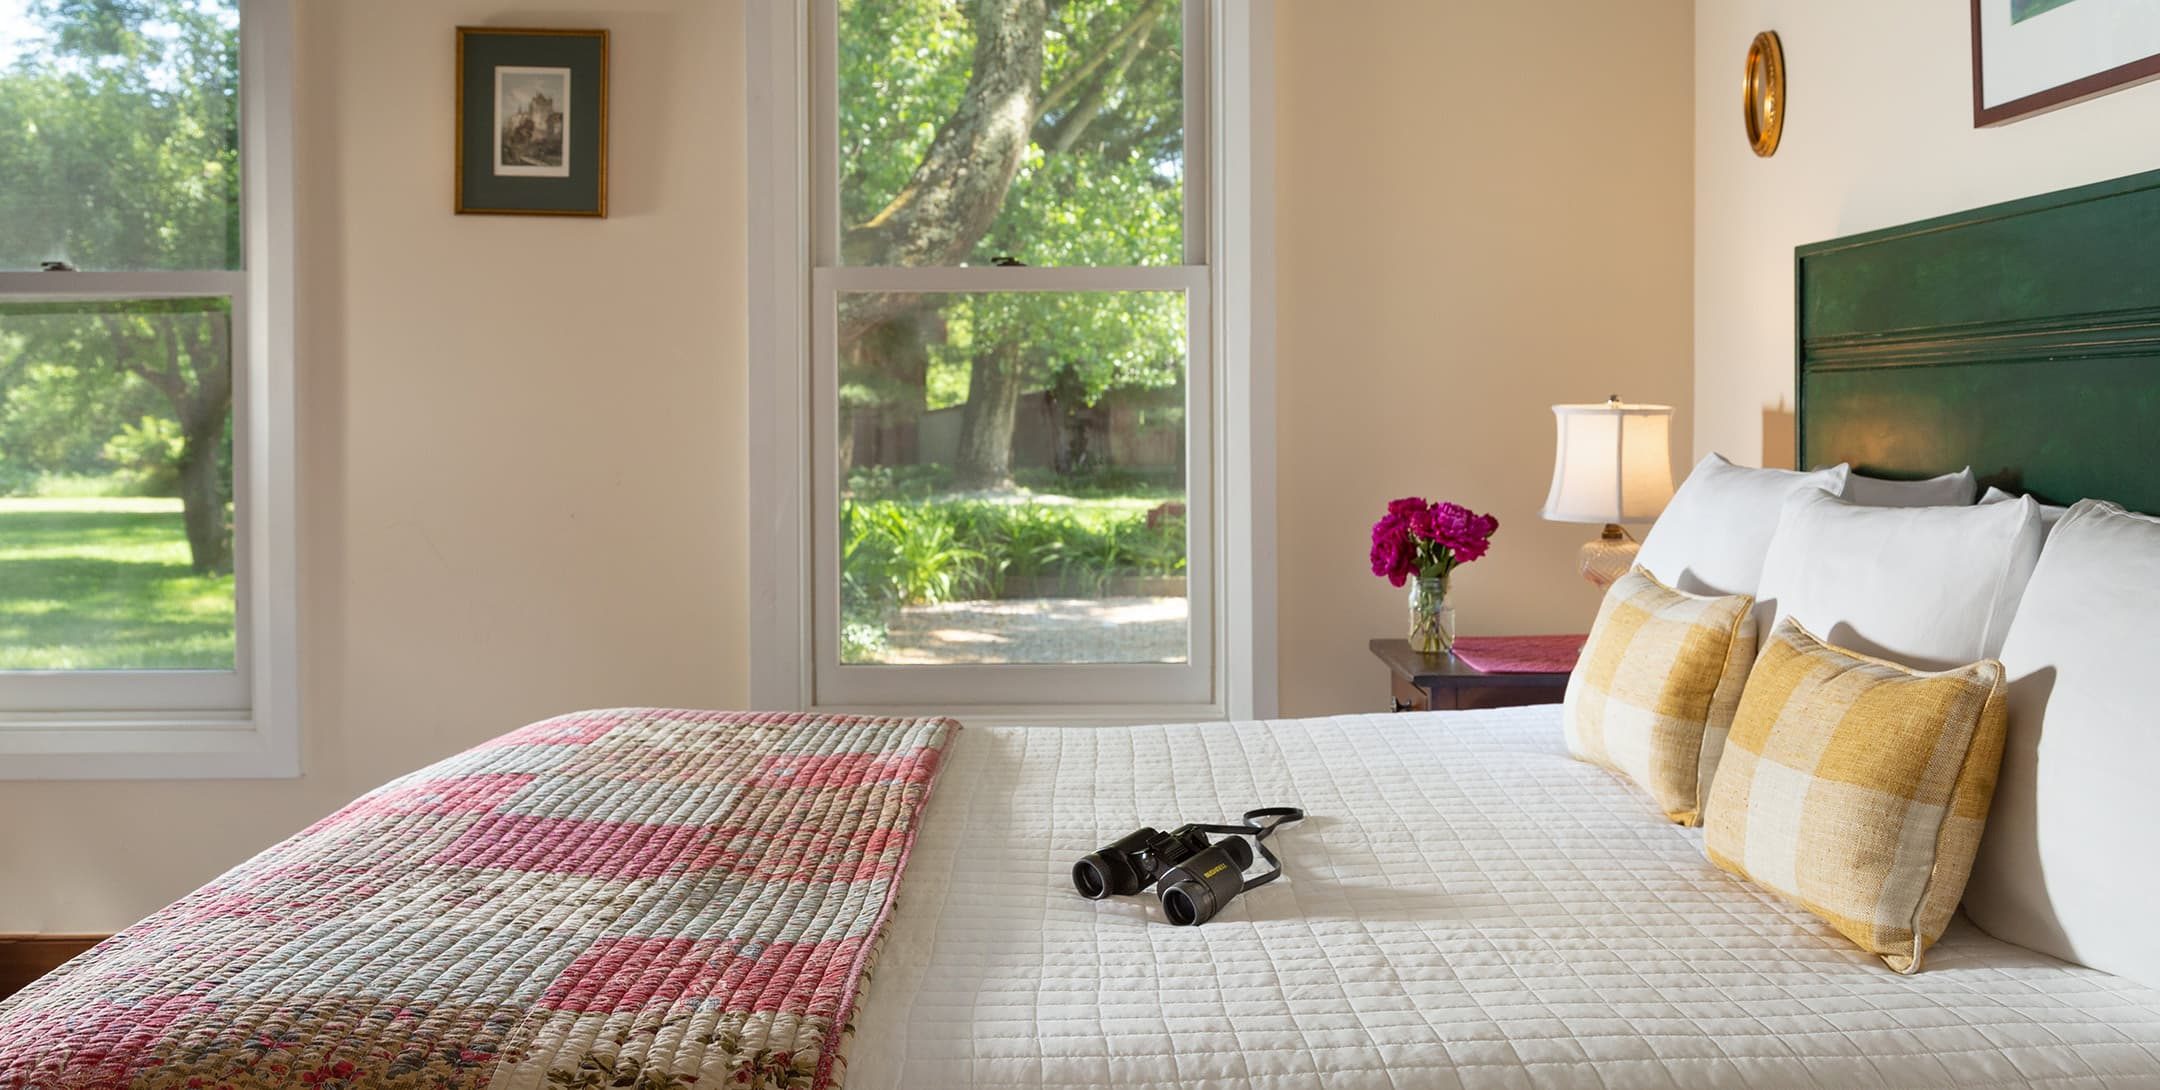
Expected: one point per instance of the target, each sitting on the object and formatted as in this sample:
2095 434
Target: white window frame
180 724
1228 283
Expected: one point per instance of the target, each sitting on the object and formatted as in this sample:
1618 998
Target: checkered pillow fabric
1857 788
1657 686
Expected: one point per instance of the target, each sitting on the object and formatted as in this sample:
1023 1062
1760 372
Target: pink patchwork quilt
634 898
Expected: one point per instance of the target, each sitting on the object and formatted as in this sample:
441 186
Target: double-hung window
1013 418
146 568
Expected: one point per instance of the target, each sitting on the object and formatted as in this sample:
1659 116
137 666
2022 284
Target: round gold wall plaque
1763 93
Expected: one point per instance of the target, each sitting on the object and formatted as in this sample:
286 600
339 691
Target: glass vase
1432 617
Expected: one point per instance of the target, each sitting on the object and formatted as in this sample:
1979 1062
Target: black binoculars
1196 878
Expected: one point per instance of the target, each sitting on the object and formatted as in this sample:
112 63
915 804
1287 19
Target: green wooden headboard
2022 339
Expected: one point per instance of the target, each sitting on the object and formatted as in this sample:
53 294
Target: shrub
147 453
896 553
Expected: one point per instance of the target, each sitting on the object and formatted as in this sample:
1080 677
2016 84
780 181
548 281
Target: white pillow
1713 535
2066 866
1931 587
2049 513
1948 490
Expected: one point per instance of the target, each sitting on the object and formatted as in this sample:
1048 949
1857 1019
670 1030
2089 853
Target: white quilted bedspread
1465 907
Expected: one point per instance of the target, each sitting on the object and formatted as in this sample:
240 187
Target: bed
670 900
1467 907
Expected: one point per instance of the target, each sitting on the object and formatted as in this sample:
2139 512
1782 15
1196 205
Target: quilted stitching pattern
636 898
1859 788
1654 695
1467 906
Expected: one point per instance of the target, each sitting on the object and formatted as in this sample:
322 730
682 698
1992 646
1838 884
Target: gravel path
1039 630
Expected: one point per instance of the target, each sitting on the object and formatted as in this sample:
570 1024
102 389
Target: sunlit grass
104 584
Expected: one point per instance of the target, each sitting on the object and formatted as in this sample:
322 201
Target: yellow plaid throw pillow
1657 686
1857 788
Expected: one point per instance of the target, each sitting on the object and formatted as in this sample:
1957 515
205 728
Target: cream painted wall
523 465
1880 133
1482 210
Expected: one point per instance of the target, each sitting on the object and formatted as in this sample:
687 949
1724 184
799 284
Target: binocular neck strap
1274 817
1283 815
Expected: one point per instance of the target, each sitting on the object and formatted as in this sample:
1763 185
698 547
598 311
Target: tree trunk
1069 419
203 506
202 421
201 407
986 424
958 188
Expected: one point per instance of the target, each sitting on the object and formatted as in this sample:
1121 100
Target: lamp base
1609 557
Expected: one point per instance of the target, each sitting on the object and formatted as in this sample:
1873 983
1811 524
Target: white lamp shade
1612 463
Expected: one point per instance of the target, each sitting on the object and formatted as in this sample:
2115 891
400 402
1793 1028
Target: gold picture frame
550 156
1762 93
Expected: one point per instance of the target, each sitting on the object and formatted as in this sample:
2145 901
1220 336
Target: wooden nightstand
1428 682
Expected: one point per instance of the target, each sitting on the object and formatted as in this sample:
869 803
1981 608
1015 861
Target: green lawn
103 584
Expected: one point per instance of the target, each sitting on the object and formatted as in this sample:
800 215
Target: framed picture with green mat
532 110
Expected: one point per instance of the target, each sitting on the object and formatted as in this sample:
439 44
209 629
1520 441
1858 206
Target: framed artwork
2031 56
532 110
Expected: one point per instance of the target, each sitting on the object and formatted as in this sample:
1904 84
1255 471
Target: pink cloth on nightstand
1520 654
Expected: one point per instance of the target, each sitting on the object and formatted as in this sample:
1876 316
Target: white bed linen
1465 907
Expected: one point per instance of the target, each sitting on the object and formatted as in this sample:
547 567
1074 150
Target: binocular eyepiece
1195 890
1135 861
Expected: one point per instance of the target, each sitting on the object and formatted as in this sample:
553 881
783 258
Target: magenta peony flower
1419 537
1394 555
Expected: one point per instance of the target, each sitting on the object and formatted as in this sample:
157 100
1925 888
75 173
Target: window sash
834 684
53 691
162 724
838 684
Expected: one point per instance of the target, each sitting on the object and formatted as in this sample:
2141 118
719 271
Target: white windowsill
144 746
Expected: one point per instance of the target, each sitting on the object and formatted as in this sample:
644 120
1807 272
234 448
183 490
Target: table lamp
1612 464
